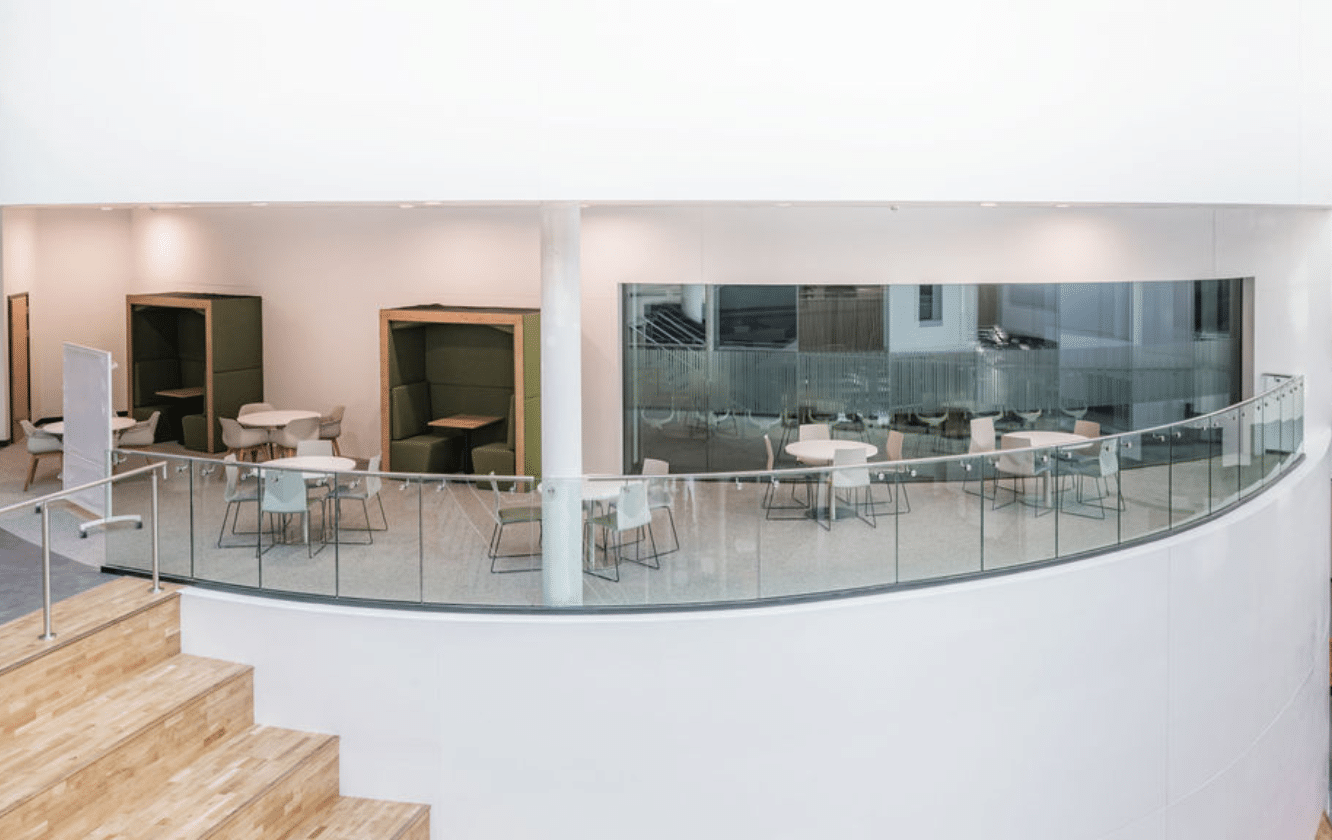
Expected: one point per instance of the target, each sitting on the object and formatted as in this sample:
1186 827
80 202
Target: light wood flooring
108 732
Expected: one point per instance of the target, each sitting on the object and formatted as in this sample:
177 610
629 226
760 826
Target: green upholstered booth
444 364
194 357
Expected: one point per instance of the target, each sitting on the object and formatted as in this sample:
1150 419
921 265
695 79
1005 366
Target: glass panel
374 535
292 538
937 490
1251 448
1194 449
463 523
1019 525
1090 501
131 547
226 518
1144 469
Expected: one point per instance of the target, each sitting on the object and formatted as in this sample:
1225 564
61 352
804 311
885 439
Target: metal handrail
42 503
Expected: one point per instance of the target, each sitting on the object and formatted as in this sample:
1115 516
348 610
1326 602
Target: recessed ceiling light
258 203
783 204
433 203
989 204
406 206
108 208
1061 205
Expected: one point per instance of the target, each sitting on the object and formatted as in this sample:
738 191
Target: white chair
315 447
40 445
241 441
251 408
1018 468
286 438
330 427
631 513
239 491
360 490
659 496
284 493
892 451
1100 469
851 473
982 441
505 516
1029 418
814 431
139 435
770 493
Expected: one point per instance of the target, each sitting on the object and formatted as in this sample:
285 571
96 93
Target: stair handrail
41 503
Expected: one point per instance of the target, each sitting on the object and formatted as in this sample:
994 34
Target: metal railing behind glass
706 539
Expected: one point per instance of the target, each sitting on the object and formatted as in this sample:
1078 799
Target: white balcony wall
1173 691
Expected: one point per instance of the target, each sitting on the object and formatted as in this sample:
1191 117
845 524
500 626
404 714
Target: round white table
274 419
1046 438
313 466
819 453
118 424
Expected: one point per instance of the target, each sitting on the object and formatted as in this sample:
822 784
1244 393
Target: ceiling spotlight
258 203
989 204
406 206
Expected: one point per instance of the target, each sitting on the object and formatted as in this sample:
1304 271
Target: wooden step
259 784
102 636
56 774
351 818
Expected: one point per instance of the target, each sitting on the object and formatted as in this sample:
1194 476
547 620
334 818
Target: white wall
1176 690
1137 101
324 273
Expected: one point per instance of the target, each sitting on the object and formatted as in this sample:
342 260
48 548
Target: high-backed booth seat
413 445
440 363
169 349
497 457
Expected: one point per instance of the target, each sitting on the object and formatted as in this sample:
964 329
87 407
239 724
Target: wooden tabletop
182 393
464 421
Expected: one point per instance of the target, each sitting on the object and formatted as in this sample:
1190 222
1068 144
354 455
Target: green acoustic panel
155 332
409 409
238 333
532 354
190 335
532 437
469 354
406 350
194 432
153 375
192 373
233 389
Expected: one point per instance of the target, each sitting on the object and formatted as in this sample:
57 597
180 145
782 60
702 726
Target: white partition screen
87 387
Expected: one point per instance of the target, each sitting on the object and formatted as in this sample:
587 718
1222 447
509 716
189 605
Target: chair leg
336 449
32 471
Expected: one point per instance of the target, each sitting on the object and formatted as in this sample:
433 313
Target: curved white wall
1029 100
1177 690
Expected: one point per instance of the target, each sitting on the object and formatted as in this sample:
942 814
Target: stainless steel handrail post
157 585
47 635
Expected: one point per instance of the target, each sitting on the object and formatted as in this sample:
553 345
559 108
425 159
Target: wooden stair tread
353 818
219 785
51 749
76 617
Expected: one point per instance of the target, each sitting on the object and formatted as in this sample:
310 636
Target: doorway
20 369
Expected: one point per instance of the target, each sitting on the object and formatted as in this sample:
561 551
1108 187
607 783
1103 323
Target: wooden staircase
109 731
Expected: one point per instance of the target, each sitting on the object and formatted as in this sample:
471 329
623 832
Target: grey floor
21 577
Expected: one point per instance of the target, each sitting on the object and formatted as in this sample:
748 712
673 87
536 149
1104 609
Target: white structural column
561 407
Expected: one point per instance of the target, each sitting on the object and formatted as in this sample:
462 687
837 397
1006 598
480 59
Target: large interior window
708 370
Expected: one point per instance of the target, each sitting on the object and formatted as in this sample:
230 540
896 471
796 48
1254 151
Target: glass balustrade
798 530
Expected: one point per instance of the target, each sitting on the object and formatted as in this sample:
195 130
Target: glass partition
708 369
849 509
